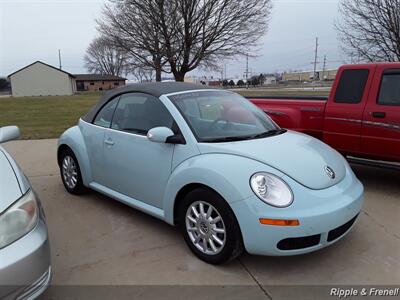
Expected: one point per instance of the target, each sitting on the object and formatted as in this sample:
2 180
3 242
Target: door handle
378 114
109 142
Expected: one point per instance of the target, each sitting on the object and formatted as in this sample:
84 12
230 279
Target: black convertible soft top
155 89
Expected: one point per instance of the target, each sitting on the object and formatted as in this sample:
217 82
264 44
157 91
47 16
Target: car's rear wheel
209 227
71 173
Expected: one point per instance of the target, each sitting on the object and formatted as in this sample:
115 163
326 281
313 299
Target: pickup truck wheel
209 227
71 173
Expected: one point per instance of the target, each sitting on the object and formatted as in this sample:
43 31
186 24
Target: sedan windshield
223 116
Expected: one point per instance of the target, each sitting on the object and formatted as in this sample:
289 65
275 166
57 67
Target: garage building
41 79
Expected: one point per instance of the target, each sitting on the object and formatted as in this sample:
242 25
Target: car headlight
271 189
19 219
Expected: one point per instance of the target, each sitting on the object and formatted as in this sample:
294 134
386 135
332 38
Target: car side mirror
159 134
9 133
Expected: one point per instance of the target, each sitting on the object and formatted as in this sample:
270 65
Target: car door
137 167
94 139
345 107
381 124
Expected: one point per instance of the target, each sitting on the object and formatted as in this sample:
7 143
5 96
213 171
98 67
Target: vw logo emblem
330 172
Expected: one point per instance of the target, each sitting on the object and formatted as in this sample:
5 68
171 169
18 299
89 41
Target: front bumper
25 270
324 215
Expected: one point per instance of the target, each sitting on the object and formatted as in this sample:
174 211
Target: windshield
219 116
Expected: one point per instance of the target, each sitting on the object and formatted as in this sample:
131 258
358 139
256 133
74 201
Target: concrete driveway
98 241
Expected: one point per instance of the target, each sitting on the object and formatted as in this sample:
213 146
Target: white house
270 79
40 79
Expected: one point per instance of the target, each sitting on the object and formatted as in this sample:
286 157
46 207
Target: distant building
308 76
41 79
297 76
5 85
328 75
204 80
214 83
98 82
269 79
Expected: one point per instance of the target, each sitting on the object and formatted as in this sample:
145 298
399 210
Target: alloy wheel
205 227
70 172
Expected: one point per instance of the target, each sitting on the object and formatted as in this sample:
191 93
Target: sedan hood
303 158
9 187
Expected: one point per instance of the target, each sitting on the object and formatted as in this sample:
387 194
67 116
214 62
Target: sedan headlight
271 189
18 219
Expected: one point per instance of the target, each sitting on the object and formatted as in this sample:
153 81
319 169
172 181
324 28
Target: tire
71 173
205 236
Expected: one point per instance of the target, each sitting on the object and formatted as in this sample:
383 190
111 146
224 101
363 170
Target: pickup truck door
381 123
345 108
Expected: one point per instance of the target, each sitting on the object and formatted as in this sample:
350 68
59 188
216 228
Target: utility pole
323 68
247 71
59 58
315 58
247 66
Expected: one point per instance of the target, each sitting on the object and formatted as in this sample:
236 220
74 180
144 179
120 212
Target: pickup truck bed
297 113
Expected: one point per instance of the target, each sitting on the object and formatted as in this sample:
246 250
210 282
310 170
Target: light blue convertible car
212 163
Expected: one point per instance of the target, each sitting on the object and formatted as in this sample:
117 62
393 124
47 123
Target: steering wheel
215 122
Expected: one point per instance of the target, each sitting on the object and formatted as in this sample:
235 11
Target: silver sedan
25 268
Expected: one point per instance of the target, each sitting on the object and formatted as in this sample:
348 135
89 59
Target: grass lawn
45 117
48 117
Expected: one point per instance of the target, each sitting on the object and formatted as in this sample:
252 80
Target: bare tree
178 36
141 73
370 29
104 58
210 30
136 31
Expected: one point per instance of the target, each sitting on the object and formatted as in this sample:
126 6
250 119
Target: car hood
299 156
10 190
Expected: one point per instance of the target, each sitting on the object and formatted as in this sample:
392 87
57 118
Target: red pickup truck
361 117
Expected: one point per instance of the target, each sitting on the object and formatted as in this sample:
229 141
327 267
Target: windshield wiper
226 139
268 133
246 137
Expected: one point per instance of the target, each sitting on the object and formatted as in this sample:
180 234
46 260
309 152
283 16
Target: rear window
389 93
351 86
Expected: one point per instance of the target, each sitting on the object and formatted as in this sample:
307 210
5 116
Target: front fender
227 174
73 138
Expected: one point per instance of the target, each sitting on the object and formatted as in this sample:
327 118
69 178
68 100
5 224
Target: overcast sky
33 30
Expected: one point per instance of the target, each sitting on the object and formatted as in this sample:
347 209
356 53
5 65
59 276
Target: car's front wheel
71 173
209 227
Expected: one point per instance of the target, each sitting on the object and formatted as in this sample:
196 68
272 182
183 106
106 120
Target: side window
389 93
138 113
104 117
351 86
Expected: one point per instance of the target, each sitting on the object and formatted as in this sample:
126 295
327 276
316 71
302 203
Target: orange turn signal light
275 222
